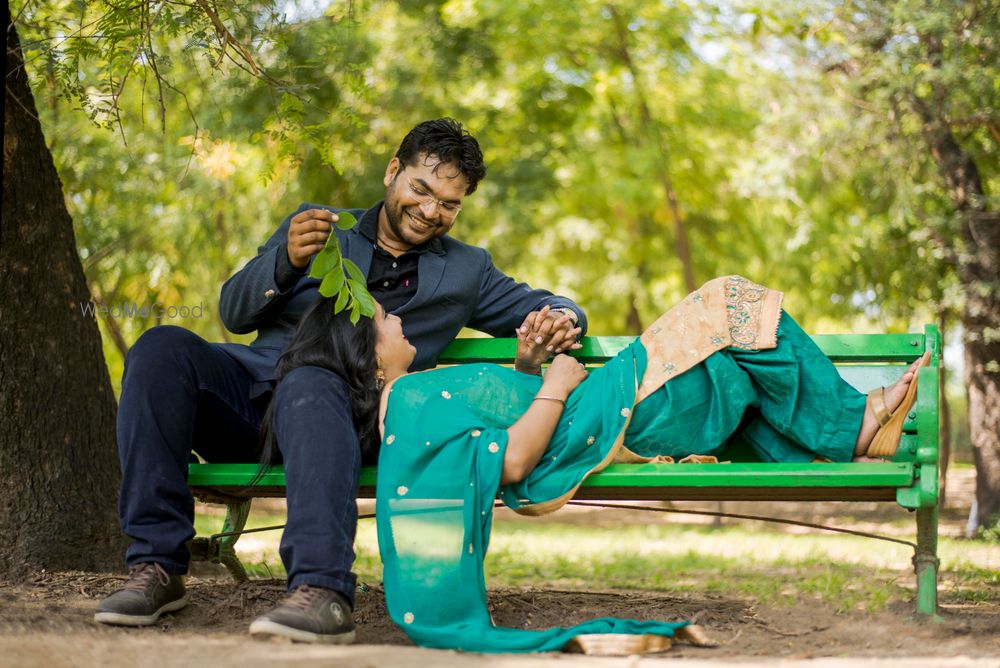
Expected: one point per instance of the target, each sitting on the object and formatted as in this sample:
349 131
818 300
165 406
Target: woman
725 360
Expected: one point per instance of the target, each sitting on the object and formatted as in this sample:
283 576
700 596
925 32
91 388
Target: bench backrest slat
838 347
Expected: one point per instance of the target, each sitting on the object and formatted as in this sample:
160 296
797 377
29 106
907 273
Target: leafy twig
339 276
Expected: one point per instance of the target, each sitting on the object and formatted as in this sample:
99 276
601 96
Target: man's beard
394 216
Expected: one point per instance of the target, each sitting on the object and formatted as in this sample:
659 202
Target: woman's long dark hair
329 340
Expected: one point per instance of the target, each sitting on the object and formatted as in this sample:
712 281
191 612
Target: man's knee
161 348
312 407
309 386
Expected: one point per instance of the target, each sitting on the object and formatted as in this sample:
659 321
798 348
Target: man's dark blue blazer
457 286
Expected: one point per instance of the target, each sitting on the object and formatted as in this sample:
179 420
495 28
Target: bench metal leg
220 548
236 518
925 561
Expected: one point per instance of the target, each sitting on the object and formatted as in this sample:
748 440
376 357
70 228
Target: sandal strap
876 399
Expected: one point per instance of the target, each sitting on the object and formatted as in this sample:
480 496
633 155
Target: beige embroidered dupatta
726 311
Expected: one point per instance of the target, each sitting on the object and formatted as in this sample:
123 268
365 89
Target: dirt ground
47 621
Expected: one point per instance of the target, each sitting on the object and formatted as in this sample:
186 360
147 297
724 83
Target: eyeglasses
448 209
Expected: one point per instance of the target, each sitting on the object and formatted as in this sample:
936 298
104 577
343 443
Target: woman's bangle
540 396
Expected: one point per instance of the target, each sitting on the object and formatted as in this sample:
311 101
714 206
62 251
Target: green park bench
864 360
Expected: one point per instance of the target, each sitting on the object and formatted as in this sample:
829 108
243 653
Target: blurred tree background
635 149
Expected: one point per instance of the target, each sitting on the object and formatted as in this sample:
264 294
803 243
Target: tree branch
148 25
159 83
980 120
226 37
652 131
19 103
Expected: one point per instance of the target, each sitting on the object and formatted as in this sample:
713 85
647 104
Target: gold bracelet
539 396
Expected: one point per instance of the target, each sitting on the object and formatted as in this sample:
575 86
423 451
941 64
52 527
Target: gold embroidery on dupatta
726 311
744 301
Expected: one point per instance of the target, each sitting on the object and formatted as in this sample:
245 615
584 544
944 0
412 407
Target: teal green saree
435 515
445 436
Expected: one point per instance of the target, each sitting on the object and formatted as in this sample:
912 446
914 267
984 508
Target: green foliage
332 270
991 534
873 68
783 137
325 262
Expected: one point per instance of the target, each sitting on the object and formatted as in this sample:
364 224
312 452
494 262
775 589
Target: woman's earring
379 374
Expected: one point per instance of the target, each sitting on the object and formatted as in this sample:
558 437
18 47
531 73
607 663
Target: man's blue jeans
182 394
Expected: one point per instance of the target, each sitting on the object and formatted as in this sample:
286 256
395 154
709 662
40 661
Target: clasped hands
543 334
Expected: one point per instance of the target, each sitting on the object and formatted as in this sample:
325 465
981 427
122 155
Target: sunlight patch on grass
771 567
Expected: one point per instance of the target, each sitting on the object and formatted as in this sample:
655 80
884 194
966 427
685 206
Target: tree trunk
983 379
979 272
114 329
651 130
944 426
58 462
633 321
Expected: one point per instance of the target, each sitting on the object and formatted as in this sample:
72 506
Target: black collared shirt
391 280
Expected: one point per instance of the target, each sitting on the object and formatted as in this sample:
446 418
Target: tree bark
980 315
114 329
633 321
979 273
944 426
58 462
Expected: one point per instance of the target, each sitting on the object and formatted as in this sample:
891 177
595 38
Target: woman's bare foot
869 424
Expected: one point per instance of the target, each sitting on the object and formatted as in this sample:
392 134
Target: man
181 393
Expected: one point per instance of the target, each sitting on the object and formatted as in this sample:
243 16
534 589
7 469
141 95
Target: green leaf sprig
339 276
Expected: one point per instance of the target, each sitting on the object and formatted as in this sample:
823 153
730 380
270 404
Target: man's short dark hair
451 143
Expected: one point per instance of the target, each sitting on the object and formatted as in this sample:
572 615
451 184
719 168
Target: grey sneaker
149 592
309 614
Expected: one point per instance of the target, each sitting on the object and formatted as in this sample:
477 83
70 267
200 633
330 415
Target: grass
772 566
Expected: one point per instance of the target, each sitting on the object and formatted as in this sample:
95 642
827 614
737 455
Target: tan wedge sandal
886 440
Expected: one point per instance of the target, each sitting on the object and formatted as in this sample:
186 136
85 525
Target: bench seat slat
736 494
875 474
745 481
